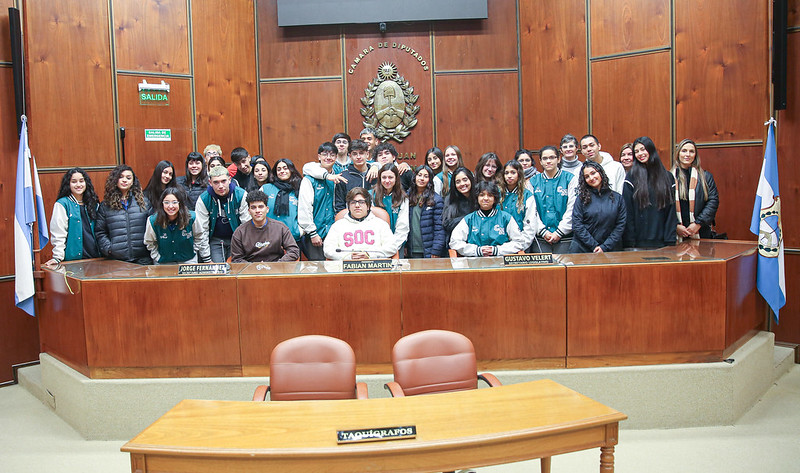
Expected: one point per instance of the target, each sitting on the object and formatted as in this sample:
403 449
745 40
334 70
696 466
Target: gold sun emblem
387 71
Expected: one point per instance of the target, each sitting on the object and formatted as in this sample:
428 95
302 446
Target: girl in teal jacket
173 233
282 192
72 223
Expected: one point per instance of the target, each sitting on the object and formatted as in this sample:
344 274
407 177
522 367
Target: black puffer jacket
120 233
193 191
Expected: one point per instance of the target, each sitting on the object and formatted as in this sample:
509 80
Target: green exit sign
152 97
157 134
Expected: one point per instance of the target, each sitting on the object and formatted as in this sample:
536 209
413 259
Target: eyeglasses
171 202
358 202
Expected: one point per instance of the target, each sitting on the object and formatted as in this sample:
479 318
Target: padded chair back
377 211
434 361
381 214
312 367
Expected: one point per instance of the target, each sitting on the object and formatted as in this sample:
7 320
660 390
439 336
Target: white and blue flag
766 223
26 211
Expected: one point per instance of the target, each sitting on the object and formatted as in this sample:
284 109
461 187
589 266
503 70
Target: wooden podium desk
465 429
690 303
694 302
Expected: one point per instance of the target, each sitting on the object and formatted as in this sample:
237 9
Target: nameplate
528 259
655 258
376 434
367 265
203 269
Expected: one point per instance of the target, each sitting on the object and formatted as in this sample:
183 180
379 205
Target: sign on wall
154 94
157 134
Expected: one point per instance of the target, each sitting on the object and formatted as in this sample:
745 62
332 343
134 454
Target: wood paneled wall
300 69
5 37
625 113
71 98
20 339
141 41
787 132
722 69
620 26
530 73
226 82
525 76
9 146
554 67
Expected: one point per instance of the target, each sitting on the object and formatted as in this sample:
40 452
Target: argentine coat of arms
389 105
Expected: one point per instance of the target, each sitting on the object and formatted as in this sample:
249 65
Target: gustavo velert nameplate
376 434
203 269
528 259
367 265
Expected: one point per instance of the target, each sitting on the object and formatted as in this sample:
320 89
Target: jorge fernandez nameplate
376 434
203 269
528 259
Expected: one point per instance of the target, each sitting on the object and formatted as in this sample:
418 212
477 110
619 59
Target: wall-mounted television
334 12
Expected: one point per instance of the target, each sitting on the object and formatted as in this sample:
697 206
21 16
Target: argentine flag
766 223
24 217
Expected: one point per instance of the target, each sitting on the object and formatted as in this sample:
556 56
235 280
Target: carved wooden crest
389 105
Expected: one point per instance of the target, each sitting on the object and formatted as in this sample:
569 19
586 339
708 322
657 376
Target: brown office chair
435 361
312 367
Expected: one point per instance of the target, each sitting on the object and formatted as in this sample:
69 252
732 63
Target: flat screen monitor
334 12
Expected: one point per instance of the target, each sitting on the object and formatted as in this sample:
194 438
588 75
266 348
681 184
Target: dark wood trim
644 359
167 372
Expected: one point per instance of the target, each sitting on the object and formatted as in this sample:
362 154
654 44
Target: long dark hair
90 198
155 187
397 193
519 187
585 190
649 177
462 204
439 154
294 178
112 196
162 219
252 183
202 178
424 198
457 197
482 162
219 159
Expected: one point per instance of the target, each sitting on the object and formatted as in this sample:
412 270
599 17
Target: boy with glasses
315 213
360 234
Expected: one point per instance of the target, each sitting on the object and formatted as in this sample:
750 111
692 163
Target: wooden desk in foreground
454 430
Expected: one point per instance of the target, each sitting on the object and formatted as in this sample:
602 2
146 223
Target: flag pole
38 273
768 312
765 223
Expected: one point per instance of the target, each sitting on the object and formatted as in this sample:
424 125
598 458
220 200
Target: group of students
358 202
